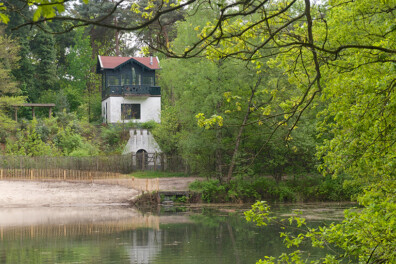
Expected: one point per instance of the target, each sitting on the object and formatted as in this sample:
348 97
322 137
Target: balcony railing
132 90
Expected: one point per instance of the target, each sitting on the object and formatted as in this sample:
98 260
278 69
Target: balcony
132 90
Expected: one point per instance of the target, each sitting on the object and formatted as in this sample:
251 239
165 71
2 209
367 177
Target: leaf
4 18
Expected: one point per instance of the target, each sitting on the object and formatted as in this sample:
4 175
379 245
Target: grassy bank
157 174
295 189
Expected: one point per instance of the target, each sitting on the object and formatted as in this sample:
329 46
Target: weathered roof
109 62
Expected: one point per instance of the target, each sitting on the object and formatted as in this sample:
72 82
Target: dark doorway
141 159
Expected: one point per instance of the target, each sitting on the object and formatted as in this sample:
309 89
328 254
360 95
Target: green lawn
156 174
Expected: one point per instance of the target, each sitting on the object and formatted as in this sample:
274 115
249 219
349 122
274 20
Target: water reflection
144 246
125 235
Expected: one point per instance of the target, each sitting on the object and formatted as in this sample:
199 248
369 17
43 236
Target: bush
149 124
242 190
211 190
84 150
29 143
111 135
250 189
68 141
319 188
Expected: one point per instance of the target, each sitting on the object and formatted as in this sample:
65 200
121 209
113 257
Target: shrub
111 135
250 189
85 149
29 143
68 141
212 190
242 190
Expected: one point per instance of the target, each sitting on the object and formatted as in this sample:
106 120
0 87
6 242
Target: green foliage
44 57
203 88
350 54
167 133
8 61
62 135
149 124
182 199
156 174
56 69
85 149
250 189
212 190
111 135
29 143
7 126
366 235
9 92
323 188
47 128
341 50
68 141
79 77
145 125
259 214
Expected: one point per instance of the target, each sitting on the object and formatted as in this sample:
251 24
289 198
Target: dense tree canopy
9 92
241 102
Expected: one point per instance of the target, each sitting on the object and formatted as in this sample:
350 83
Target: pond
117 234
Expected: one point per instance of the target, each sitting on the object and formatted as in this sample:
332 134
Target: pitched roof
109 62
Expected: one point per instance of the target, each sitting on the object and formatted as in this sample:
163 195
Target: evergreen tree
25 71
45 75
8 85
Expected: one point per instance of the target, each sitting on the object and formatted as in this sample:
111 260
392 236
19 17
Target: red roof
109 62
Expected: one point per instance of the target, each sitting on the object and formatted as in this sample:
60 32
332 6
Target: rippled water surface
125 235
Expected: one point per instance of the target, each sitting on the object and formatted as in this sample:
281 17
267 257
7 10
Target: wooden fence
56 174
86 168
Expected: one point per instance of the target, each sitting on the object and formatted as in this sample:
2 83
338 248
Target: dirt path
101 192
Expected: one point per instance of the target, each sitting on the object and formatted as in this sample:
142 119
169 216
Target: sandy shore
48 194
27 203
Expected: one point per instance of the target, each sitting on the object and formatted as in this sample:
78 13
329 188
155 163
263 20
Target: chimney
151 60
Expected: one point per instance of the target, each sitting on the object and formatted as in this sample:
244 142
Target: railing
133 90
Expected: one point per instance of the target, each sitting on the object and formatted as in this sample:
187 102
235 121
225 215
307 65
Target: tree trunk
239 136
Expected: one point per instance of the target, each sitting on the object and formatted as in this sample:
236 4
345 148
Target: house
129 90
130 94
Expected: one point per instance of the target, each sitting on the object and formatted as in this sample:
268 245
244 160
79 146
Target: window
133 76
148 80
125 78
130 111
113 80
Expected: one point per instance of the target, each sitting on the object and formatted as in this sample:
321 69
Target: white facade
150 109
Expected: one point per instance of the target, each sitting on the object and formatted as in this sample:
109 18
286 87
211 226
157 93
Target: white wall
141 139
150 108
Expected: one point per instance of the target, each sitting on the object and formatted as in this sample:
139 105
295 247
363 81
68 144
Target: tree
9 92
354 71
242 101
343 51
78 75
43 50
